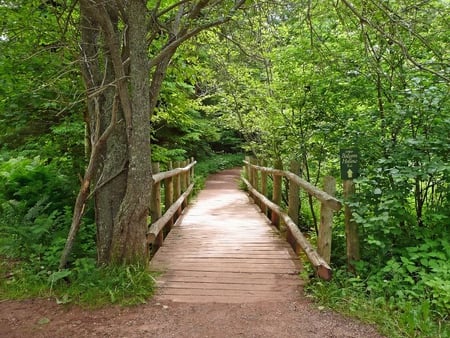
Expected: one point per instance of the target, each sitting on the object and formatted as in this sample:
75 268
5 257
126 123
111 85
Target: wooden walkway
224 250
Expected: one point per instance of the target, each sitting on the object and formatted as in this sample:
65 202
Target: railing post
326 221
254 180
276 196
168 194
191 173
351 227
177 188
249 171
183 177
294 204
263 187
155 204
183 181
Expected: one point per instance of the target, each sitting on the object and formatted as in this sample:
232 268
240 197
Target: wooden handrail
322 196
322 268
155 228
175 181
170 173
320 258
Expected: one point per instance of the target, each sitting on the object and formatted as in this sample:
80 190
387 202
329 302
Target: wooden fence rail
177 187
257 186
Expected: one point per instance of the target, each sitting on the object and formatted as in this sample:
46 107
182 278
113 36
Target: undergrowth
394 316
35 215
84 284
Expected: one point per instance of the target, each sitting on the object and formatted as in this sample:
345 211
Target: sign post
349 159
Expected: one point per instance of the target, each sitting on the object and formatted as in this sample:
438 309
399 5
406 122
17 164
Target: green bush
217 162
394 316
35 213
418 274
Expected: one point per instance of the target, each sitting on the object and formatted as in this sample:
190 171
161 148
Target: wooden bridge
222 248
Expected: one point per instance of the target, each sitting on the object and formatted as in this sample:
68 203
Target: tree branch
388 36
172 46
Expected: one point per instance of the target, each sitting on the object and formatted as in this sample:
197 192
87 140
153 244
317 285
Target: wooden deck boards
224 250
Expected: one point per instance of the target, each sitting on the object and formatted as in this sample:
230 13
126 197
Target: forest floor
297 318
293 316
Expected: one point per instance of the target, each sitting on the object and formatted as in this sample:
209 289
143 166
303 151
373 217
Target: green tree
40 85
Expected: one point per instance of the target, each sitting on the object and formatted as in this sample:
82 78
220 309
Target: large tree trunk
118 95
110 174
129 233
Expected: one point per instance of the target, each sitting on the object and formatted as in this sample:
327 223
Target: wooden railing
178 185
257 187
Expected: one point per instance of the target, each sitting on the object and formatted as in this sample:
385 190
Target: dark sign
349 163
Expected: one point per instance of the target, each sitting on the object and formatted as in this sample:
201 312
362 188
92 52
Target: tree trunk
121 180
129 235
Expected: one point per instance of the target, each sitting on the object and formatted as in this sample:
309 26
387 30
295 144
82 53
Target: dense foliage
288 80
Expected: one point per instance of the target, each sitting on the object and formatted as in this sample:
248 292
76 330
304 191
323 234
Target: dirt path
292 316
43 318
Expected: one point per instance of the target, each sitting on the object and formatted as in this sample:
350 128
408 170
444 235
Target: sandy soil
44 318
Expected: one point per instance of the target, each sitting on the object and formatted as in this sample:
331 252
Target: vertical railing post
191 172
326 221
276 196
293 205
248 172
351 227
183 181
263 187
249 169
183 177
254 180
155 204
177 188
245 167
168 194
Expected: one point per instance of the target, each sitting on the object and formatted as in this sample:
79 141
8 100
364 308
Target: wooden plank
228 261
225 268
221 286
231 275
226 293
220 279
239 299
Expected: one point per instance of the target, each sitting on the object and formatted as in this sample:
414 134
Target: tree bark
129 243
